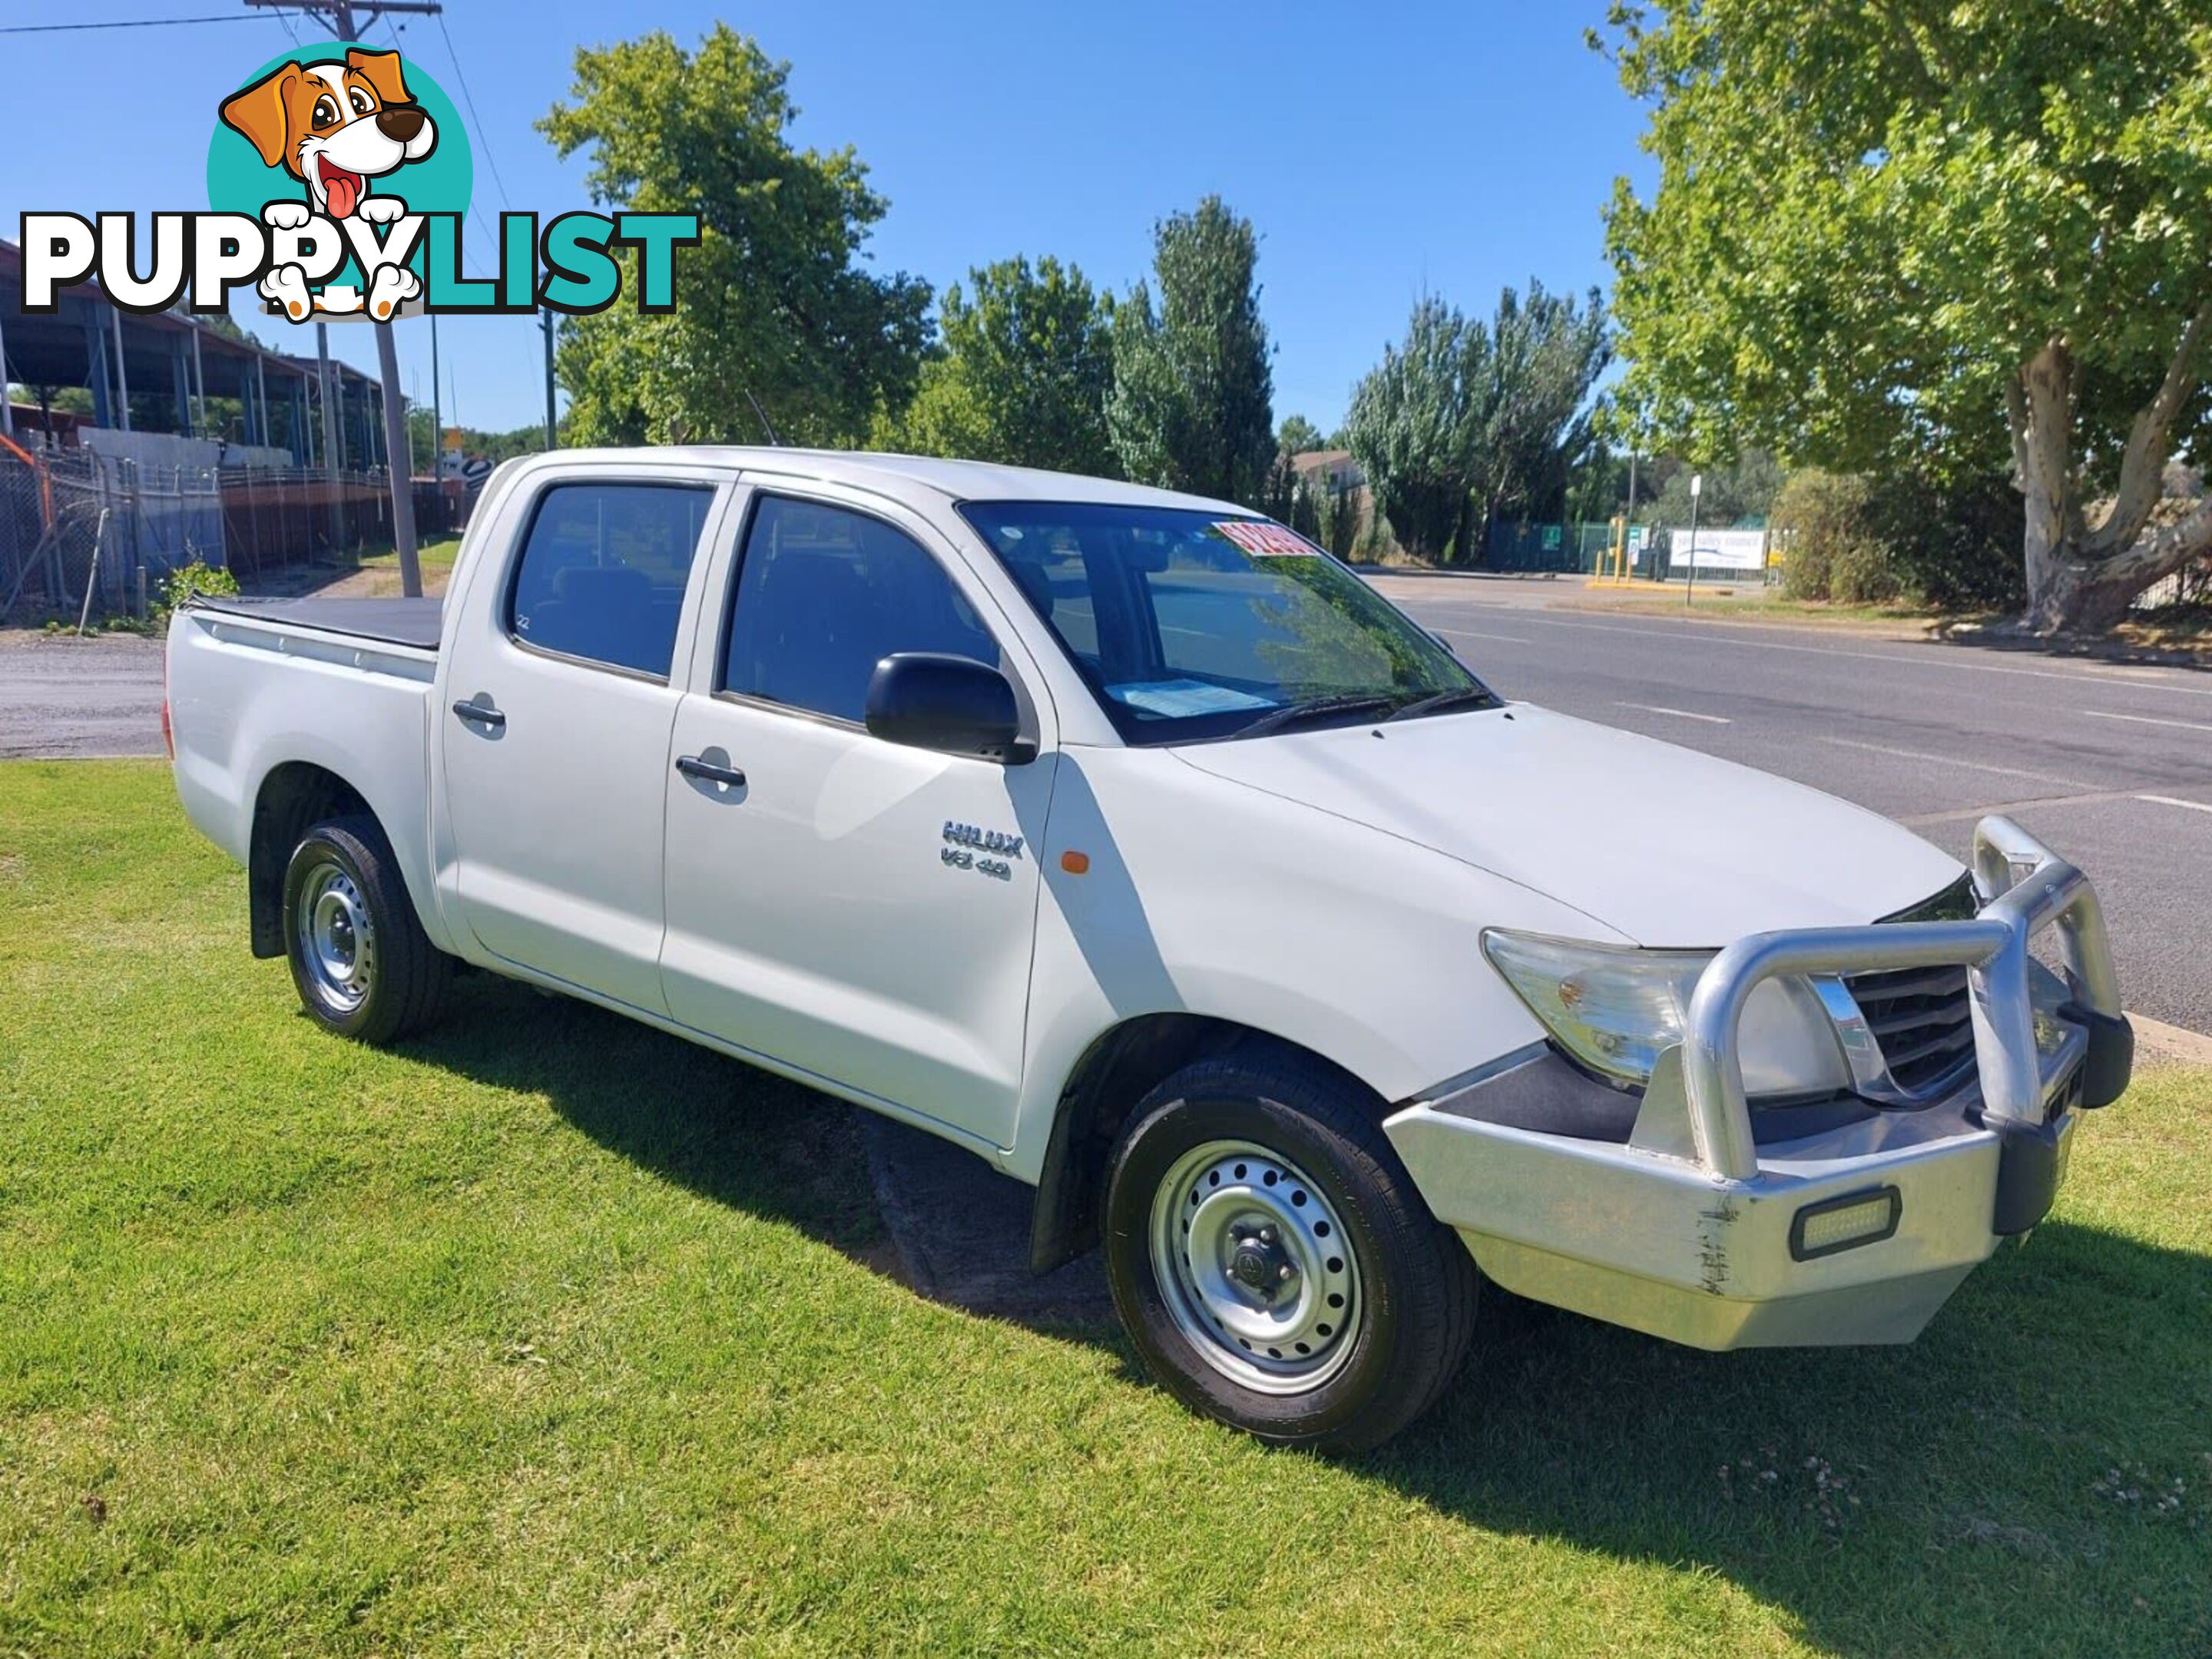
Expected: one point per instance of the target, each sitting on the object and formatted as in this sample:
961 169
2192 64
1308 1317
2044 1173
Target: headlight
1617 1010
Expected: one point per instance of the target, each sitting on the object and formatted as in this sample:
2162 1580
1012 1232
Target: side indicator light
1075 863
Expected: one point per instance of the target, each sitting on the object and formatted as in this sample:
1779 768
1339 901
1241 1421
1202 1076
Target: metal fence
83 533
77 528
1565 548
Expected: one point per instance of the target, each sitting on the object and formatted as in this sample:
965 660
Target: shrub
1956 546
186 579
1827 521
1949 545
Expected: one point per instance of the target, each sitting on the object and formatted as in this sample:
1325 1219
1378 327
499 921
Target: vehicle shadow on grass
2033 1475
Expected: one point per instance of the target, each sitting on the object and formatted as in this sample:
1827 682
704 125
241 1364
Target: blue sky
1380 151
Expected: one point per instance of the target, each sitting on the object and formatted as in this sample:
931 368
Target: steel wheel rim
1228 1220
337 942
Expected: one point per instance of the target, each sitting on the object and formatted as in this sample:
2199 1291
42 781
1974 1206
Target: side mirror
954 705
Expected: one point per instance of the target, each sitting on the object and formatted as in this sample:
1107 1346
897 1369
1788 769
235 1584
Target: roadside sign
1722 550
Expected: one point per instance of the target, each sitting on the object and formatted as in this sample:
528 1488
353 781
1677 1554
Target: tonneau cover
416 622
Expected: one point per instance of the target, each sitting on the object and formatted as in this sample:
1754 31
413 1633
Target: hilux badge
984 841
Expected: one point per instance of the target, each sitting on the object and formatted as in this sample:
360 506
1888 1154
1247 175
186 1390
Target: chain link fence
85 533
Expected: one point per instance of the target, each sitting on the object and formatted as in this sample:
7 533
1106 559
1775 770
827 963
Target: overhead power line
124 23
484 139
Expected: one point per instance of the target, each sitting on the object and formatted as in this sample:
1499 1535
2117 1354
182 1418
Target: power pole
333 452
1697 489
552 428
437 430
349 21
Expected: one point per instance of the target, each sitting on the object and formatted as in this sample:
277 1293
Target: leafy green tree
1411 427
1531 409
1739 492
1914 232
1024 375
1466 421
774 304
1192 406
1297 435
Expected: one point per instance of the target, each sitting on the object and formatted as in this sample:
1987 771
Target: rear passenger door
859 910
556 717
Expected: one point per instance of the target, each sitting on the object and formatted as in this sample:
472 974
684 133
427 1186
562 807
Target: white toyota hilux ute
1136 845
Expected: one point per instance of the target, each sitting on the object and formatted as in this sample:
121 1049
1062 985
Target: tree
1914 232
1532 397
1734 493
774 304
1411 427
1297 435
1023 376
1464 420
1192 406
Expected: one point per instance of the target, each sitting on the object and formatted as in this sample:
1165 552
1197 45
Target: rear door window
602 571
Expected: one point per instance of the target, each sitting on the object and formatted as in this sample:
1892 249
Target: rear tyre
359 959
1272 1262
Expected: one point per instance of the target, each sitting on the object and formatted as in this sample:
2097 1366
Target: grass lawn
549 1334
379 577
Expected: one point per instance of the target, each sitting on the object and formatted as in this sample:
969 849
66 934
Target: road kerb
2158 1040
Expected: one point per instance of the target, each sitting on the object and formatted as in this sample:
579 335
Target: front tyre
1273 1261
359 959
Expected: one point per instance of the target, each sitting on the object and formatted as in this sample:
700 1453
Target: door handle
692 766
482 714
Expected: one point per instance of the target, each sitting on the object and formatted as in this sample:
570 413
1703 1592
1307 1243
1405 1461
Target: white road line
2036 804
2148 720
1470 634
2176 800
1679 713
1712 633
1948 760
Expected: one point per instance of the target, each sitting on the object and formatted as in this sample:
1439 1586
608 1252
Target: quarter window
824 594
602 571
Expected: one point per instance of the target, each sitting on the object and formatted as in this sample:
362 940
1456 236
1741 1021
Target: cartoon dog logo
334 127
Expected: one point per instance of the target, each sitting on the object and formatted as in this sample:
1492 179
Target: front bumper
1694 1230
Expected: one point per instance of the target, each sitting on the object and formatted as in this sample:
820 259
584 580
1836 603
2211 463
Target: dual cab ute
1133 844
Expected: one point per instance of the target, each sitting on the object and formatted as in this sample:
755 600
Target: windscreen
1191 624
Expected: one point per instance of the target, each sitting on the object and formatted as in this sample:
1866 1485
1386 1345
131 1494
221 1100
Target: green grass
548 1333
1746 602
437 559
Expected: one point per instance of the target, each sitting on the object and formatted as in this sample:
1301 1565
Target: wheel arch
1120 1067
293 795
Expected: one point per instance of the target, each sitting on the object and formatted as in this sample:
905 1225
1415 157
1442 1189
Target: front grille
1922 1018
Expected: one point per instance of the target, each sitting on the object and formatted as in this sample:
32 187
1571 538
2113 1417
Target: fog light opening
1845 1222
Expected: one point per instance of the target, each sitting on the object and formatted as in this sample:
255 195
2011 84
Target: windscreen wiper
1297 714
1462 696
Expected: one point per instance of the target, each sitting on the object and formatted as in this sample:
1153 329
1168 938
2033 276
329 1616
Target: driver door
857 909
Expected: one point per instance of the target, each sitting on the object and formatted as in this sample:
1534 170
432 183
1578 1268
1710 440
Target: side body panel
1204 897
247 696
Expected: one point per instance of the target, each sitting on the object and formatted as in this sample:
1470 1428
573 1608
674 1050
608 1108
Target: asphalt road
78 698
2111 765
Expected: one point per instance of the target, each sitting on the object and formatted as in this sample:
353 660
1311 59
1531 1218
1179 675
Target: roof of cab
902 476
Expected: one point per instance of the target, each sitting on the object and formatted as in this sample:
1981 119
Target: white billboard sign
1720 549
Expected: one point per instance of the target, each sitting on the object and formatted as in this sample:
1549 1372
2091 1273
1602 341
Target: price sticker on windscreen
1263 540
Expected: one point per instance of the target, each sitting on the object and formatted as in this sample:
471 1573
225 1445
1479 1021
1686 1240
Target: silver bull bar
1694 1230
2023 886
